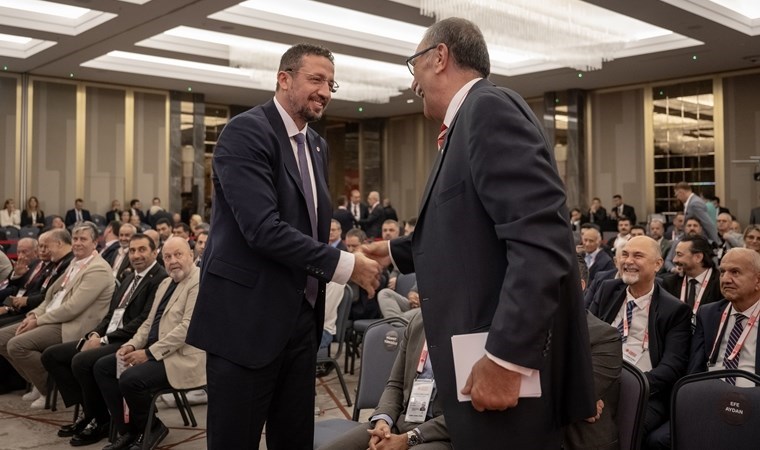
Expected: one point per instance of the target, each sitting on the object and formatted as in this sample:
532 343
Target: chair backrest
379 349
405 282
707 412
11 233
632 406
99 220
31 232
341 324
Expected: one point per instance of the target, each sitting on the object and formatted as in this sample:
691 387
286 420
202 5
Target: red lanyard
72 267
34 274
423 357
742 337
698 298
645 341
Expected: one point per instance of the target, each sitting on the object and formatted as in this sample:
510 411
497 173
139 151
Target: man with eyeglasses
260 307
495 176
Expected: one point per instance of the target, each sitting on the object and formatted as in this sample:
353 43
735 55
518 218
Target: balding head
740 277
723 223
27 249
178 258
590 238
639 260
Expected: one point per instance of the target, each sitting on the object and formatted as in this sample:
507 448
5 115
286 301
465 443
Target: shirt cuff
344 269
384 417
509 366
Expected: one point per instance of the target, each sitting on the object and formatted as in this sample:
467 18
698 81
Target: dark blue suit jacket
602 263
479 270
258 257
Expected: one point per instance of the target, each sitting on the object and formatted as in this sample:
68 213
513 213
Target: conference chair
185 410
709 413
379 350
632 406
323 355
30 232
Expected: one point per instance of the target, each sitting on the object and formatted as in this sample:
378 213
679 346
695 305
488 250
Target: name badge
419 400
116 319
57 300
632 353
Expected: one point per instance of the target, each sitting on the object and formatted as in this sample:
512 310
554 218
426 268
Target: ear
443 58
658 265
283 80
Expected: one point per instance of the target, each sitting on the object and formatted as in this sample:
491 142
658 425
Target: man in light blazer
695 207
73 305
157 356
388 423
494 178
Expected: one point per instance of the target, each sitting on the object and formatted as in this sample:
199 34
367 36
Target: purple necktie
733 339
303 167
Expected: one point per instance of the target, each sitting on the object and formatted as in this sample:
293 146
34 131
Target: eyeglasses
410 61
318 80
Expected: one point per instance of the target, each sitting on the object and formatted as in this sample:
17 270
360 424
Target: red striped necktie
442 136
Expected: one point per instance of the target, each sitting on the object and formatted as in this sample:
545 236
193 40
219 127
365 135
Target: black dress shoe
93 433
73 428
156 436
122 442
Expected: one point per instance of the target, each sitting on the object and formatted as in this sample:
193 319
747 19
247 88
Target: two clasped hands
491 386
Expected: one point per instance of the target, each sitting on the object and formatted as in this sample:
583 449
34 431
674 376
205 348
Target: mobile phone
80 344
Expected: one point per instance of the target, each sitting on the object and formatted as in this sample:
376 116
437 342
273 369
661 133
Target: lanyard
423 358
52 273
645 341
71 268
34 274
698 298
743 337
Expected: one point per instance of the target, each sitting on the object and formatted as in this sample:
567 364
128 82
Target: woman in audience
126 215
9 215
33 216
752 237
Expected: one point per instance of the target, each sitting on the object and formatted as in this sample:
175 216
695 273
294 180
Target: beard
303 111
630 278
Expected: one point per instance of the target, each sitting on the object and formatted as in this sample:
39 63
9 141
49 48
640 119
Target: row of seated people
369 216
66 317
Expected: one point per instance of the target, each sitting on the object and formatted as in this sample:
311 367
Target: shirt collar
456 101
145 272
701 277
290 124
643 301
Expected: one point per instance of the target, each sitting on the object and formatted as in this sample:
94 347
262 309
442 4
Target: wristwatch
413 438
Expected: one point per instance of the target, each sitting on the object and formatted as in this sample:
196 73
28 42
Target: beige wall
9 176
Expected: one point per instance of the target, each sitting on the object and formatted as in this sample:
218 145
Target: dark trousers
136 386
241 399
74 377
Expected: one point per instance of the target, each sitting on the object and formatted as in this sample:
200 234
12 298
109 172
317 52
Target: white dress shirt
638 326
748 352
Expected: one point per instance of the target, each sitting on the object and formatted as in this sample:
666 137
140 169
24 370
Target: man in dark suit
620 210
656 327
596 213
740 284
520 291
115 212
358 210
698 282
373 224
111 243
261 302
389 423
72 369
754 216
596 258
135 206
343 216
335 239
77 215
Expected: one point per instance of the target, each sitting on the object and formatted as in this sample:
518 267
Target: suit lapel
654 308
619 295
286 149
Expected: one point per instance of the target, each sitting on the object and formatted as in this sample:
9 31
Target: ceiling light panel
740 15
21 46
50 16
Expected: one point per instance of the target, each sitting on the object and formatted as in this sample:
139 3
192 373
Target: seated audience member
74 304
153 235
343 215
736 227
716 336
596 258
182 230
400 422
77 215
389 211
200 245
164 228
6 267
32 215
624 234
676 228
111 244
176 218
336 232
698 282
691 228
752 238
363 307
157 213
54 252
10 216
393 304
71 366
409 226
27 264
155 206
575 219
390 230
333 297
115 212
657 232
195 220
599 432
728 238
135 208
120 266
126 216
373 224
596 213
622 211
57 223
139 226
655 326
638 230
157 357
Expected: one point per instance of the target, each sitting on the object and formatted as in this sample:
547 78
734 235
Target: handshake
369 262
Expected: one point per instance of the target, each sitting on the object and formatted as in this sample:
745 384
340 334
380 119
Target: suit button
425 299
299 291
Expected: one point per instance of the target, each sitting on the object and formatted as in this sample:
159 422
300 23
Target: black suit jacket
71 217
669 332
708 320
602 263
257 259
477 270
588 295
373 224
599 217
110 252
26 219
113 215
673 282
346 220
137 309
628 212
